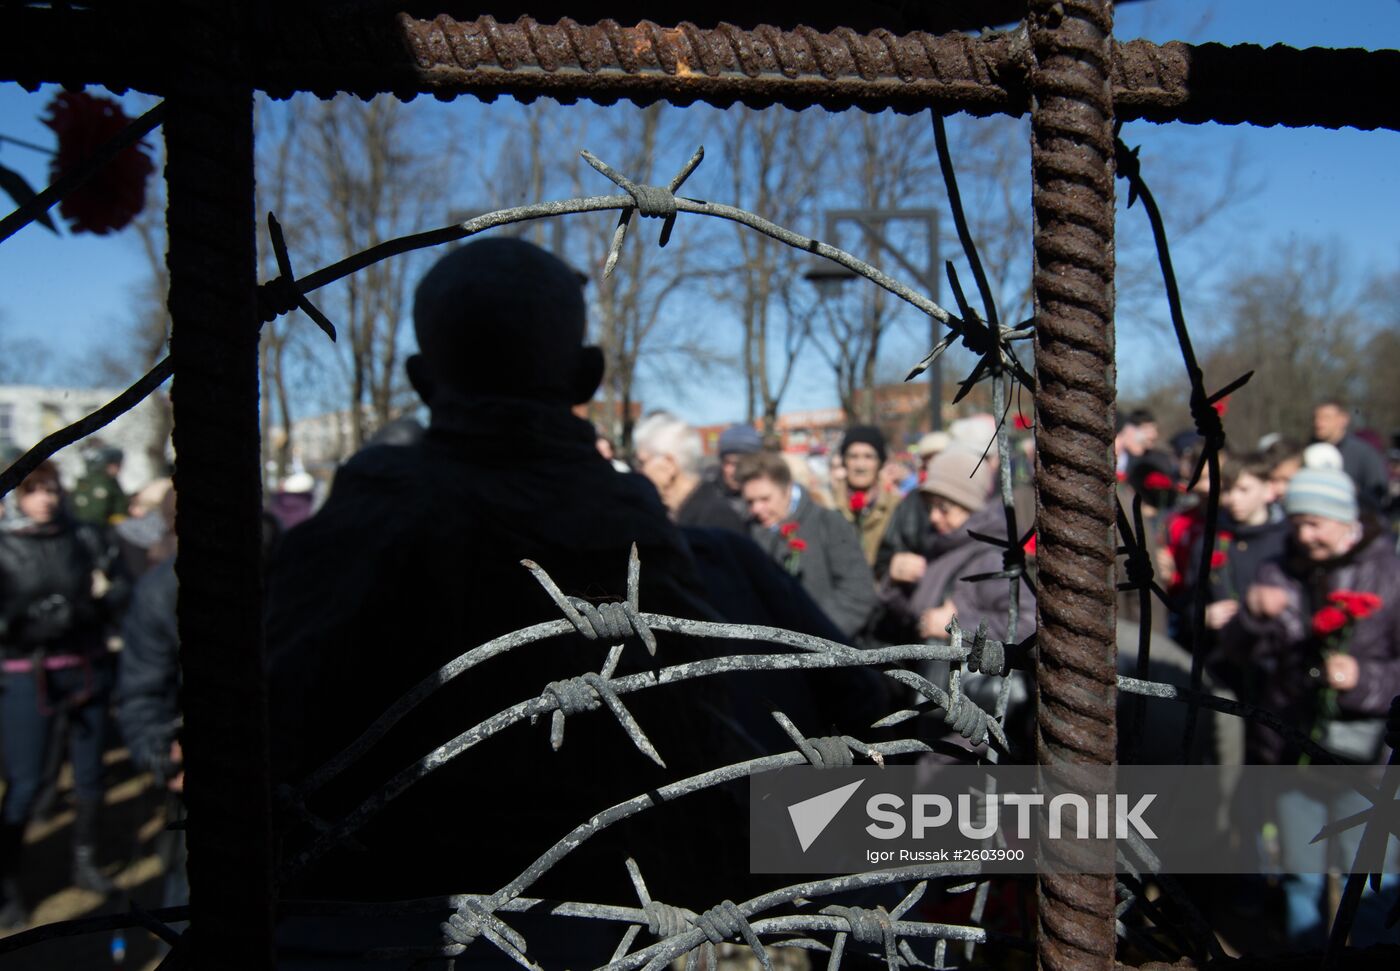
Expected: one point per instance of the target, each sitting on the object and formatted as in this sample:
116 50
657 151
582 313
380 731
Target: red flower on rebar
1329 620
857 501
116 192
787 529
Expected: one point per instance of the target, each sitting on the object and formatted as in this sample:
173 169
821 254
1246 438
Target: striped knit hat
1328 493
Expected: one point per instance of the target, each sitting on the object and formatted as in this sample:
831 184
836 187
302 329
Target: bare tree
773 161
1299 322
361 173
890 162
636 322
25 361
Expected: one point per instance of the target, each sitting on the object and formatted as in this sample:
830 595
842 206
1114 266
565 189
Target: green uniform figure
98 498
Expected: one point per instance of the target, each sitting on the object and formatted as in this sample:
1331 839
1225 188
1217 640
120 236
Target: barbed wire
287 292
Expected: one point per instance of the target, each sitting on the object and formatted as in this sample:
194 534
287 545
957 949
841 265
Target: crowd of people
414 557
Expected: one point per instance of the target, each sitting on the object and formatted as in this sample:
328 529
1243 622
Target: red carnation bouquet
796 546
116 192
1332 625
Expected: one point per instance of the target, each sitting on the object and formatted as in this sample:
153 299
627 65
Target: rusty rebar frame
289 50
1072 156
209 57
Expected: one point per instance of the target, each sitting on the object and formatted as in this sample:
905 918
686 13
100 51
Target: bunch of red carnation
1344 607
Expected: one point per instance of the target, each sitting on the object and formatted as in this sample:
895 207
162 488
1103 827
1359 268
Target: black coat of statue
415 559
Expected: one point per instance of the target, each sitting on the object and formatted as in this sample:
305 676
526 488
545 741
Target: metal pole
214 348
935 331
1076 695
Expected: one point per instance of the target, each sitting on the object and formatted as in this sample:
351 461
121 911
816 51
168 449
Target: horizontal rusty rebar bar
370 53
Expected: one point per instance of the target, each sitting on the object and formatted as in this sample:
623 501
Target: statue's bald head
503 317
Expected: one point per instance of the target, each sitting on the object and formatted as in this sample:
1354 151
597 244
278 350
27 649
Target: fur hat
867 435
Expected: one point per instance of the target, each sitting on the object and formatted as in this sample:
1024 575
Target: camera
47 619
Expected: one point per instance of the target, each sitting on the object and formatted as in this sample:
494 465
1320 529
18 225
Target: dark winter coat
416 558
746 587
1292 656
908 532
148 671
1366 466
708 506
832 568
46 584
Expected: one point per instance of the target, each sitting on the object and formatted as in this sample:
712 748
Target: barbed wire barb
282 295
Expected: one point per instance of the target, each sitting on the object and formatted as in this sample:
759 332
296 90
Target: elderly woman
668 452
1324 623
954 493
60 580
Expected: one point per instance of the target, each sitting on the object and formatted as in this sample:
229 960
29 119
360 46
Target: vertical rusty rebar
214 345
1072 167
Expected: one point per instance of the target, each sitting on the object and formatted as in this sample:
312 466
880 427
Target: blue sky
73 293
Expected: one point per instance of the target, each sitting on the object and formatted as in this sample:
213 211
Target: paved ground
133 820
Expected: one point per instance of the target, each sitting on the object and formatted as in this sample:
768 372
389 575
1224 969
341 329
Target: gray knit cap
1328 493
960 475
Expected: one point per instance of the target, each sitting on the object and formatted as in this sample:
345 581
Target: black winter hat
866 434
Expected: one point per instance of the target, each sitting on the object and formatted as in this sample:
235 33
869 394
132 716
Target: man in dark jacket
1362 462
416 558
814 544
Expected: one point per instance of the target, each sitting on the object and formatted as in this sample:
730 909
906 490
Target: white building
29 413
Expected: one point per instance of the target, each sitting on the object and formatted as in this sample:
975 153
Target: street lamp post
830 277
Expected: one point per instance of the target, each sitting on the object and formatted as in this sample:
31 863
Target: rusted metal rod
1072 165
326 51
214 350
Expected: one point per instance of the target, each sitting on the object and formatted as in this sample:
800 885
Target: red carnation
797 544
1158 482
1022 423
1329 620
857 501
116 192
787 529
1358 604
1217 559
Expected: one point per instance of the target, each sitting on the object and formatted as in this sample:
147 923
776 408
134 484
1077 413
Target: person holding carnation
1324 619
861 498
813 544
